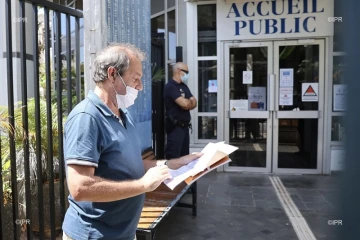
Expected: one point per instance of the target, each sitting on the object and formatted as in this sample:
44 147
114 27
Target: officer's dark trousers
178 143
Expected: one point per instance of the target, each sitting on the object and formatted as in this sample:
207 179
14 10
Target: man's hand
179 162
154 177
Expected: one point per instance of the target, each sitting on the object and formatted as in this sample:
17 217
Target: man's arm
193 103
173 163
84 186
184 103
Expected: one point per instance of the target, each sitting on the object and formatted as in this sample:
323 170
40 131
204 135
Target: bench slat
144 226
147 220
156 204
153 209
161 196
151 214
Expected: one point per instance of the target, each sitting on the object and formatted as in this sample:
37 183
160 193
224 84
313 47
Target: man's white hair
116 55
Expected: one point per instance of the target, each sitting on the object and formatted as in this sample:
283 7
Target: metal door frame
299 114
248 114
272 114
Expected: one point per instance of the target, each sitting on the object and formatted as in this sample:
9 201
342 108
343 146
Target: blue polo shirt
172 91
95 137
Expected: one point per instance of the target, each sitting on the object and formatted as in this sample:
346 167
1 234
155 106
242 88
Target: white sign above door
239 20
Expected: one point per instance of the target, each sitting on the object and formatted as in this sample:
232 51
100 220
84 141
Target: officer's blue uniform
178 138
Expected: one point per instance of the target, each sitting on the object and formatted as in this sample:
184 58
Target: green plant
5 128
6 187
18 134
157 74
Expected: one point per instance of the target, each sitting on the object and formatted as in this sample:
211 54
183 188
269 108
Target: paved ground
317 199
244 206
233 206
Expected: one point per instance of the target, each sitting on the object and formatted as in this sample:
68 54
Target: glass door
298 116
248 124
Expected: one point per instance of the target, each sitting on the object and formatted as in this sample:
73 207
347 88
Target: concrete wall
121 21
16 21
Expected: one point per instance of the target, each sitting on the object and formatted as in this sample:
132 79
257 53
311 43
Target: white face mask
125 101
184 78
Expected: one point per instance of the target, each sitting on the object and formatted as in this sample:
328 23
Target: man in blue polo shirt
178 103
106 175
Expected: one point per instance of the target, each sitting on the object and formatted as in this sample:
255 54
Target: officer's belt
182 124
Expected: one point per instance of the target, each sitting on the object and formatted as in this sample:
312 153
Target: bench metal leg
194 198
147 235
193 191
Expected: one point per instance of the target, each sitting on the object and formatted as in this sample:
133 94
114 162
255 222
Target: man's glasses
187 72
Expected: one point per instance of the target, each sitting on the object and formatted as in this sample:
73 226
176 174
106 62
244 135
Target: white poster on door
340 95
257 98
247 77
286 96
238 105
286 77
310 92
213 86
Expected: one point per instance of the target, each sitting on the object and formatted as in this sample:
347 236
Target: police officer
178 103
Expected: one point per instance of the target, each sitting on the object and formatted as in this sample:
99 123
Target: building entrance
274 100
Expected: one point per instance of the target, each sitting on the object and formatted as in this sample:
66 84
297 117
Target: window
337 128
207 128
206 30
339 87
170 70
207 80
158 25
157 6
171 35
170 3
207 72
339 98
157 38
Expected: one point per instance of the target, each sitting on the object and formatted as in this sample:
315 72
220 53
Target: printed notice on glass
257 99
238 105
286 77
310 92
340 94
286 96
213 86
247 77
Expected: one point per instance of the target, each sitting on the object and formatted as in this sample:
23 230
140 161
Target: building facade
268 76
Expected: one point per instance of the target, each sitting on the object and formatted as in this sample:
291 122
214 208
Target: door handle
271 95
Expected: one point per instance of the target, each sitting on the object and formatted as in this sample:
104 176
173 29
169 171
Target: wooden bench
159 202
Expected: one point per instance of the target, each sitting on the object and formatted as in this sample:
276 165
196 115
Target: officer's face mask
184 78
125 101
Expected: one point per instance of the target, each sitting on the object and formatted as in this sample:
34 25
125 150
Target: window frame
335 113
165 12
196 113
